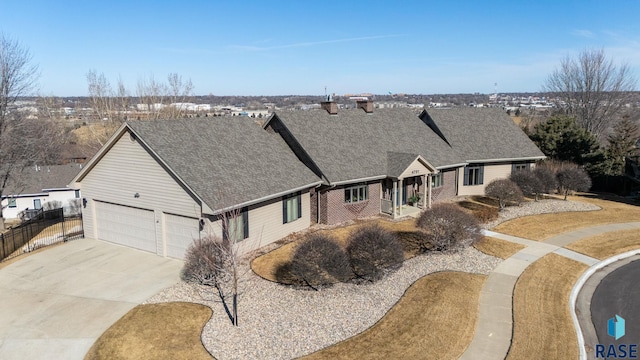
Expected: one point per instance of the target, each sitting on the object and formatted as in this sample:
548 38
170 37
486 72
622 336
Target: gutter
509 159
265 198
452 166
378 177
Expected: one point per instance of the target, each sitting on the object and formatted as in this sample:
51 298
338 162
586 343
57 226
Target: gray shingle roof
398 162
32 181
354 145
483 133
225 161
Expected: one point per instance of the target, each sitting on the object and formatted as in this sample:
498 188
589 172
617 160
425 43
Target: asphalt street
618 294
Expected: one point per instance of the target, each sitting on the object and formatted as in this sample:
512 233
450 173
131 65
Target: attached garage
179 232
151 184
126 225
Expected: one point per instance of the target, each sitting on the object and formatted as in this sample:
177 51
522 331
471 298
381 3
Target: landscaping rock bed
281 322
545 206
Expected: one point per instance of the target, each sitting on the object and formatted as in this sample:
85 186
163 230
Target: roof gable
401 165
224 161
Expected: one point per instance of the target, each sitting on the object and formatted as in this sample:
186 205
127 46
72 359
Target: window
291 208
520 166
77 193
356 194
12 203
436 180
474 175
236 226
37 204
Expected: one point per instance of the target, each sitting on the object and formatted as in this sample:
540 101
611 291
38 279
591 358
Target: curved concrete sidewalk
494 330
56 303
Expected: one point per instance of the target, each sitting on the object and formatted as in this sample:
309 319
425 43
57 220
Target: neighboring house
374 161
158 185
37 185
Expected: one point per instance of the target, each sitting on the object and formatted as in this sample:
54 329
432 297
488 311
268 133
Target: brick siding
448 188
334 210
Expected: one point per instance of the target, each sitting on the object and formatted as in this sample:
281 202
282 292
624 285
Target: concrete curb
578 286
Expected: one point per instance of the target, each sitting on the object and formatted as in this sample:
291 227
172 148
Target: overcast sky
299 47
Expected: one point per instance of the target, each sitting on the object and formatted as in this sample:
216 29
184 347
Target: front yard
390 317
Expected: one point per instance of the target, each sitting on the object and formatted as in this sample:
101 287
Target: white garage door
180 231
126 225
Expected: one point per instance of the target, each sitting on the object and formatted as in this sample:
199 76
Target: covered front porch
409 191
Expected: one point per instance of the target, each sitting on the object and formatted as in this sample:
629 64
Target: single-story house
36 185
377 160
157 185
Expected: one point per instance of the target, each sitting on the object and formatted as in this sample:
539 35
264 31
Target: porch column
428 203
400 196
425 185
394 198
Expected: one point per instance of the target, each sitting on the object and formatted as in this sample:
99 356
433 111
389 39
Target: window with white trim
12 203
474 175
291 207
436 180
356 194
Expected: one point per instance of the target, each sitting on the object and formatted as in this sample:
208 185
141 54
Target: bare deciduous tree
593 88
573 179
18 140
216 262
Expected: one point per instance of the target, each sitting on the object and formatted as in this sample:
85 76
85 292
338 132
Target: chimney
366 105
330 106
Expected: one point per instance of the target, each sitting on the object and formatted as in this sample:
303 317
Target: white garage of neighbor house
37 185
158 185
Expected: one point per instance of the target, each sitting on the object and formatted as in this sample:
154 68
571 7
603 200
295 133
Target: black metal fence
42 229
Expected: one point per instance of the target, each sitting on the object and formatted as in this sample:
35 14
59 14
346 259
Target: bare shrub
447 227
52 204
371 250
528 183
547 179
505 191
204 262
319 260
573 179
75 206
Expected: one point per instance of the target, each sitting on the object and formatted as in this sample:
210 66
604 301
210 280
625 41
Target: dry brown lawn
543 328
435 319
541 227
497 247
608 244
267 265
155 331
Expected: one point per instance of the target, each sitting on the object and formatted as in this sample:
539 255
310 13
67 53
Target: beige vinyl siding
265 223
416 168
126 169
491 172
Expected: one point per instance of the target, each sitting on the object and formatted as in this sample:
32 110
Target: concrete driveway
56 303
